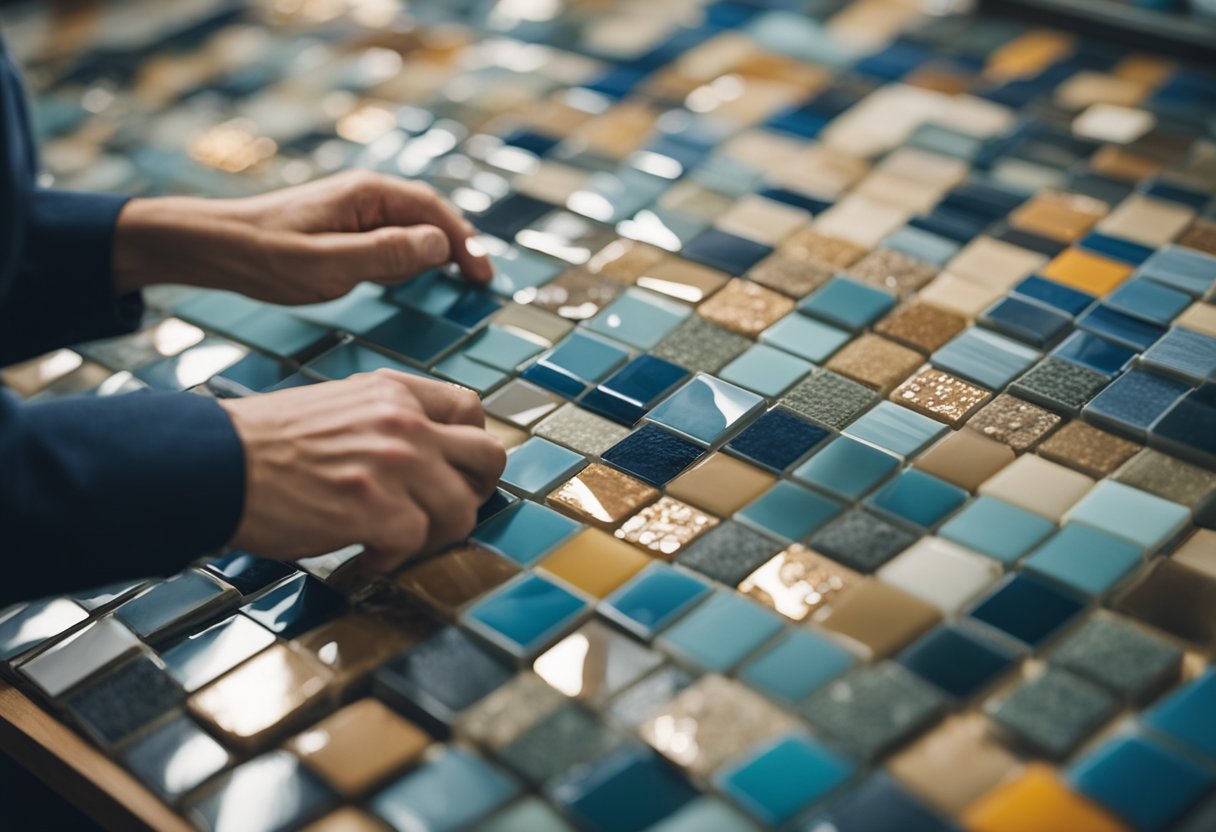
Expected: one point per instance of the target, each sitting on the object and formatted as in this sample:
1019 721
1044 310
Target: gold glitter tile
798 581
603 496
624 260
940 396
1017 423
1058 215
793 276
1201 236
875 362
893 271
745 307
711 721
1088 449
831 251
665 527
576 294
921 325
496 721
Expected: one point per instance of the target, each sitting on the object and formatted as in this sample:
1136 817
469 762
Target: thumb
385 255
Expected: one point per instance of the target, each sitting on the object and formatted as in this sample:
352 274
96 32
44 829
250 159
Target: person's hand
393 461
305 244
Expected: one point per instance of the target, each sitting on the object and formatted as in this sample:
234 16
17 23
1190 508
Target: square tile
879 618
847 303
745 307
1014 422
966 458
1185 715
119 704
918 498
795 665
1142 518
205 656
984 357
921 325
299 796
940 572
784 778
586 356
1036 797
1084 559
629 790
805 337
352 646
638 318
875 362
651 454
725 252
175 758
557 742
765 370
595 663
1027 609
453 578
25 627
505 713
706 408
700 346
861 540
892 271
681 279
295 606
1037 485
789 511
728 553
665 527
525 616
602 496
846 468
997 529
1054 712
895 428
531 323
595 562
526 531
940 396
1028 321
421 799
249 574
874 802
1087 449
77 657
1059 385
790 275
958 661
776 440
522 403
174 606
537 465
720 633
762 220
720 484
580 430
644 380
652 599
828 398
1128 661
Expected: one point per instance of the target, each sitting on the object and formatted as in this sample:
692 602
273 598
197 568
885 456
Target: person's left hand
305 244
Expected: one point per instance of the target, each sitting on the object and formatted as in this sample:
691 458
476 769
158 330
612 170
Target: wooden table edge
77 770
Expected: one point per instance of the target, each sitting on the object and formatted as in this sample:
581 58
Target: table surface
76 770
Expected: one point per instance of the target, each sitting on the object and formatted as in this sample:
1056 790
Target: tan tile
966 458
1038 485
1017 423
1198 552
745 307
1087 449
878 617
763 220
602 496
893 271
721 484
875 362
450 580
624 260
940 395
921 325
793 276
1058 215
833 252
595 562
1143 219
682 279
959 295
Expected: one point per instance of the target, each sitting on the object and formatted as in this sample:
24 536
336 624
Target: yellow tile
595 562
1087 272
721 485
1037 800
1029 54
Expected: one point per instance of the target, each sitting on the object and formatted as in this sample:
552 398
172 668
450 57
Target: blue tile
1145 784
1065 298
766 370
789 511
1027 609
644 380
777 439
880 804
280 333
721 632
1133 401
923 245
958 660
446 297
1114 325
417 336
984 357
495 504
294 607
299 795
919 498
846 468
1184 269
611 196
639 318
247 573
1084 559
422 799
725 252
538 464
784 778
350 358
554 379
897 429
652 454
517 269
469 373
847 303
1094 352
1028 321
1186 430
255 373
705 812
1188 715
653 598
1142 298
502 349
1145 519
1182 352
997 529
612 406
805 337
706 408
1115 248
663 227
1174 192
624 791
586 357
526 615
510 215
526 531
796 665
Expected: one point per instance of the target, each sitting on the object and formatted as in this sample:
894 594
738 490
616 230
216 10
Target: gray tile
580 430
634 706
1119 656
1055 712
861 541
1059 385
565 738
829 398
699 345
728 553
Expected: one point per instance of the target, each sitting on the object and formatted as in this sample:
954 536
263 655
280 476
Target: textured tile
557 742
921 325
875 362
1017 423
745 307
1087 449
728 553
940 396
1126 660
664 528
828 398
701 346
1059 385
1054 712
795 277
580 430
861 541
893 271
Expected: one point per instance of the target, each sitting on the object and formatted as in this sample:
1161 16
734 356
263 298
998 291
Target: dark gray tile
728 553
861 541
563 739
1054 712
1119 656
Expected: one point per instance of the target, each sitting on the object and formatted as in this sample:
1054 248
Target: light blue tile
1145 519
517 269
586 357
1181 268
422 799
984 357
1147 299
813 340
784 778
789 511
538 464
918 498
350 358
797 664
525 616
706 408
1182 352
611 197
706 814
997 529
847 303
652 599
846 468
896 428
525 532
1083 558
923 245
360 311
799 36
721 632
528 815
662 227
766 370
469 373
639 318
500 348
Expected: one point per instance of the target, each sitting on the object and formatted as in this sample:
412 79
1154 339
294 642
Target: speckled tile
602 496
833 252
745 307
861 541
792 276
1087 449
576 294
941 396
828 398
728 553
1059 385
580 430
1128 661
798 581
664 528
701 346
1054 712
555 743
1167 477
1017 423
875 362
506 713
893 271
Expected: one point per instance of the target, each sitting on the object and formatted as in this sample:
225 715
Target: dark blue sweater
91 489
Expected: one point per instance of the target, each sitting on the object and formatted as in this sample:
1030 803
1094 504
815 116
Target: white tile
940 572
1038 485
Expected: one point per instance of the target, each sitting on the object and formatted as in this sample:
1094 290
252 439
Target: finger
450 505
444 403
384 255
474 453
406 203
396 541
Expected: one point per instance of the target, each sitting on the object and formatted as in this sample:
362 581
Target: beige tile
595 562
1017 423
921 325
624 260
1113 123
1087 449
860 220
682 279
966 458
833 252
909 194
745 307
941 172
878 617
940 395
960 295
995 263
1199 317
796 277
721 484
1038 485
875 362
763 220
1198 552
1143 219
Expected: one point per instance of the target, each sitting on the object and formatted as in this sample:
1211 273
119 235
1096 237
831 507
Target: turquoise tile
357 312
525 531
896 429
918 498
847 303
923 245
984 357
1185 269
789 511
538 464
766 370
652 599
415 335
1188 715
531 814
706 408
784 778
813 340
847 468
215 310
500 348
280 333
525 616
800 662
639 318
517 269
1083 558
422 799
463 370
1145 519
721 632
586 357
350 358
997 529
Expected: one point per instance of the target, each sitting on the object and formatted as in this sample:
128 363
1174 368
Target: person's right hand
393 461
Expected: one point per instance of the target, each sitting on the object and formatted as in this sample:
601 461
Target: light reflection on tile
594 663
940 395
602 496
450 580
798 581
665 527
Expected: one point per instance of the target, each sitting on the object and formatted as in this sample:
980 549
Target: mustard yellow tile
1088 272
595 562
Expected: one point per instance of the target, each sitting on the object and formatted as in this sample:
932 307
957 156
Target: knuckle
358 483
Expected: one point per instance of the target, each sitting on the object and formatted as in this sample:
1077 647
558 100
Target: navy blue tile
1120 328
644 380
952 225
1187 429
624 791
958 661
1094 352
295 607
796 199
797 121
531 141
507 217
1174 192
1015 236
552 378
249 574
1110 191
894 62
1116 248
418 336
1065 298
653 455
1027 320
777 439
982 198
1027 609
496 504
1133 401
611 406
725 252
880 805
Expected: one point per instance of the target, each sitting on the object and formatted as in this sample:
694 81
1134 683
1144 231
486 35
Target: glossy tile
847 303
997 529
1036 797
594 663
175 758
1037 485
877 798
249 574
32 624
86 652
706 408
525 531
638 318
172 607
681 279
420 798
766 785
522 403
789 511
878 617
237 799
351 647
450 580
295 606
895 428
797 582
207 655
1026 609
965 458
595 562
985 358
945 574
765 370
805 337
959 661
537 465
720 633
665 527
629 787
526 615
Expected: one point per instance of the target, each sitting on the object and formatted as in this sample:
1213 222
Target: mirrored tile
77 657
238 799
175 758
594 663
602 496
295 606
25 627
172 607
